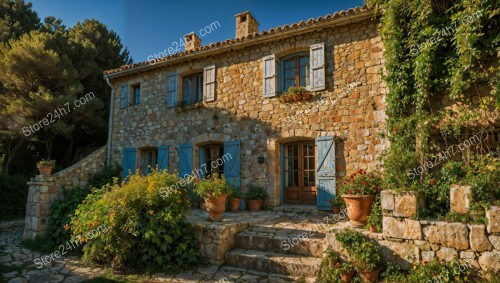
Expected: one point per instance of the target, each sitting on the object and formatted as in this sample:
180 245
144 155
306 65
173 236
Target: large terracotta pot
216 207
369 276
255 204
45 170
358 208
235 204
347 276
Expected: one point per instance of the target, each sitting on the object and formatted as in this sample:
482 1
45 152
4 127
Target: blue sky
151 26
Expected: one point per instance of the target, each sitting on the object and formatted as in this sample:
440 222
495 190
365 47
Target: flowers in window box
295 94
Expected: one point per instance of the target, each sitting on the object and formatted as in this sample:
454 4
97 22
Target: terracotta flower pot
335 209
306 95
373 229
216 207
347 276
255 204
369 276
358 208
235 204
297 97
45 170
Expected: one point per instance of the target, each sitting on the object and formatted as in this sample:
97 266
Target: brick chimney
192 41
246 24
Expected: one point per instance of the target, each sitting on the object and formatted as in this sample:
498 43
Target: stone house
221 107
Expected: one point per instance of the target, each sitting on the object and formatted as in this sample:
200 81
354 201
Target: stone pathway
17 266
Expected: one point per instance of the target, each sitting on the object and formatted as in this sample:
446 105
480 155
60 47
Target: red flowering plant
360 183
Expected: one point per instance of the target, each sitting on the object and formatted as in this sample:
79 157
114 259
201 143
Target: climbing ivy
438 53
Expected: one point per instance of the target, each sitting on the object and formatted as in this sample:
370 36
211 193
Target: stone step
299 209
292 265
307 243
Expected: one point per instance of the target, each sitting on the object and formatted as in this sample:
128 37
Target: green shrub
375 217
255 193
436 271
146 224
59 230
13 196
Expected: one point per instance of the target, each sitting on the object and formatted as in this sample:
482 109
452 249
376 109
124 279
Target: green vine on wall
438 53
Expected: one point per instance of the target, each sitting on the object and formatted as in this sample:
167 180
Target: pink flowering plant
360 183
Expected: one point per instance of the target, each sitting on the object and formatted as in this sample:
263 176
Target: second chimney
246 24
192 41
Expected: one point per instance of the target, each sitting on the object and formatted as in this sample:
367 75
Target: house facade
226 107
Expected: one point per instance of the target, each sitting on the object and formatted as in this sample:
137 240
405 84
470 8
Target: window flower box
295 94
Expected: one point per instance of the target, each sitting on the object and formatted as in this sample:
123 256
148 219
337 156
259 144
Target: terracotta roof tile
286 27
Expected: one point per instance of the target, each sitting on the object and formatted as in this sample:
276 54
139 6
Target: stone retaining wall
423 240
44 190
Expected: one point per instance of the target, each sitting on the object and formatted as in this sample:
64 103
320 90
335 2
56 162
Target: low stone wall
423 240
216 238
44 190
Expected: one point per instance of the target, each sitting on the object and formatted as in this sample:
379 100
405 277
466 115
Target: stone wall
351 108
423 240
44 190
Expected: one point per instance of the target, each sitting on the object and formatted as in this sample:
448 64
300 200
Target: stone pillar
42 193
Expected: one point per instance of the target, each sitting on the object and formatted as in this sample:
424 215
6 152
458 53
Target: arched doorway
298 172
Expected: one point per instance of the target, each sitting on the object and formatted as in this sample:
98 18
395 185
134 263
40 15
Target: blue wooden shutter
185 153
163 157
231 160
201 161
269 76
137 95
325 171
172 90
317 63
124 96
128 161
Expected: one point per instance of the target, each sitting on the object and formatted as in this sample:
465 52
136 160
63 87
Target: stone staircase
282 247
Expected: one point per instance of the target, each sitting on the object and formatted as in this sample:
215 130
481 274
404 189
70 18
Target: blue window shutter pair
124 96
172 90
129 161
325 171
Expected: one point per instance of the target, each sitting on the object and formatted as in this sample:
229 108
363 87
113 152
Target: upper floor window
192 89
294 71
130 97
136 94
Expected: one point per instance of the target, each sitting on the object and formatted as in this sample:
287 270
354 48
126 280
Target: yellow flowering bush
147 228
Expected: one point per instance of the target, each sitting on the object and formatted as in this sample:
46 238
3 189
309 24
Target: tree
16 19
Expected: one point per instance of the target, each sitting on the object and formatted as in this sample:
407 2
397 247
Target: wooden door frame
300 174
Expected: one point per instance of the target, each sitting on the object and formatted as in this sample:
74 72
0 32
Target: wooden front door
299 173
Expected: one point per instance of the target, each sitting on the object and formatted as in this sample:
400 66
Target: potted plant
234 199
363 253
214 190
45 166
337 204
346 270
358 191
255 197
367 261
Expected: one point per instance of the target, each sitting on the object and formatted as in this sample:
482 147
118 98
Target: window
211 154
192 89
136 94
294 71
148 160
